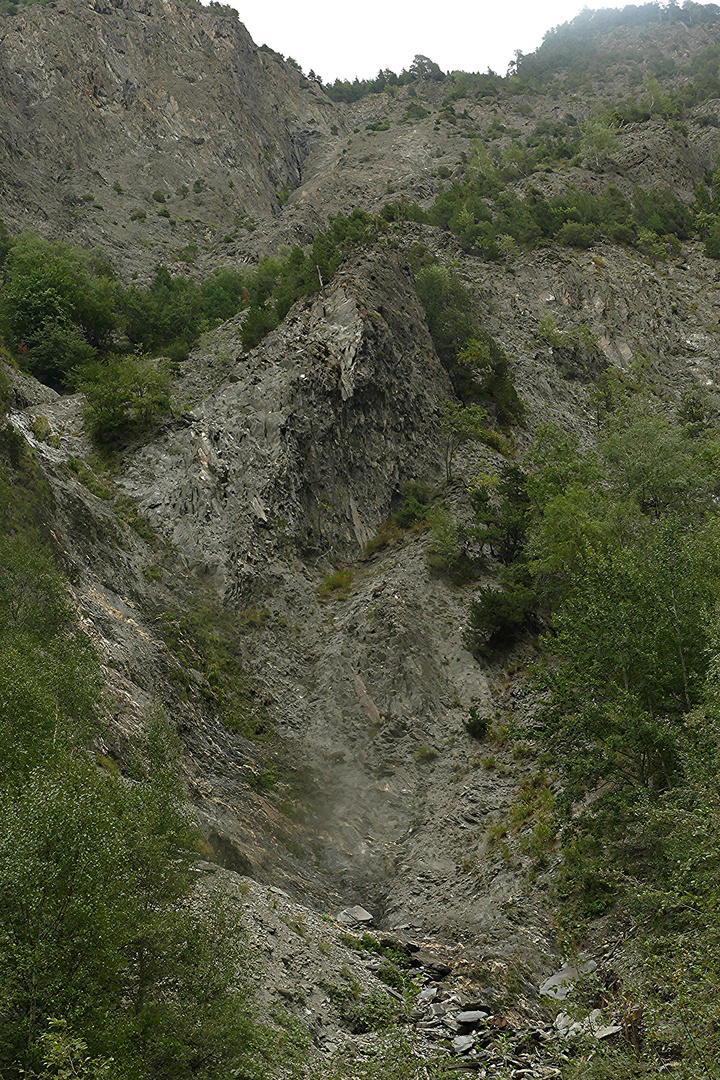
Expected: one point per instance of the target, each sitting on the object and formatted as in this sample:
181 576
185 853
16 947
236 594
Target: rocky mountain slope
343 775
114 103
163 134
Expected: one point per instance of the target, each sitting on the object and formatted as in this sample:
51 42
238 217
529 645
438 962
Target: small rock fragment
431 963
471 1016
354 914
608 1031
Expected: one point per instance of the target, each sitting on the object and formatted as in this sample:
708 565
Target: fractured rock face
111 101
309 441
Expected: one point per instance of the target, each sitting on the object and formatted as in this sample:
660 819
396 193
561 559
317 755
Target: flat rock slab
471 1016
559 985
431 963
608 1031
354 914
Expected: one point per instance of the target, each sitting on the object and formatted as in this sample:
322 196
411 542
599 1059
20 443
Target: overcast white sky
345 38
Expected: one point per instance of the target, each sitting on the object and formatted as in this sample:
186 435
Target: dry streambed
333 972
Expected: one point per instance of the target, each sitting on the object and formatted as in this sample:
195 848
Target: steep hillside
416 550
147 110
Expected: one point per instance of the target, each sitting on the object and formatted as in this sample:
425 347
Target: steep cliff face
153 127
112 102
106 105
307 440
292 461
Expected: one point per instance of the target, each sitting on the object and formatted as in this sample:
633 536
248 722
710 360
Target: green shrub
415 111
415 505
106 946
395 977
41 428
362 1014
499 616
58 306
388 535
448 553
476 725
125 396
573 234
89 479
206 638
584 883
478 367
336 585
448 310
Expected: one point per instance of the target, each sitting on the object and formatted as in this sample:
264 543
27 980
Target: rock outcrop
113 102
159 130
307 440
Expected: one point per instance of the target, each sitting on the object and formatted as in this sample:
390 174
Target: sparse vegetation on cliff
330 708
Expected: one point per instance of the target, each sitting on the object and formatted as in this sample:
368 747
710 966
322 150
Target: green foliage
363 1013
415 505
125 395
61 308
599 140
499 616
279 283
5 242
658 855
476 725
452 552
58 306
336 584
415 111
459 424
585 885
110 965
502 508
478 367
620 548
206 640
448 310
385 81
488 367
575 350
570 511
89 479
487 216
413 514
395 1055
127 511
171 313
367 943
388 535
573 234
25 496
650 462
630 659
66 1058
47 705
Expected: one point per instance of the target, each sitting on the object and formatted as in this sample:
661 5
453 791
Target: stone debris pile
328 970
